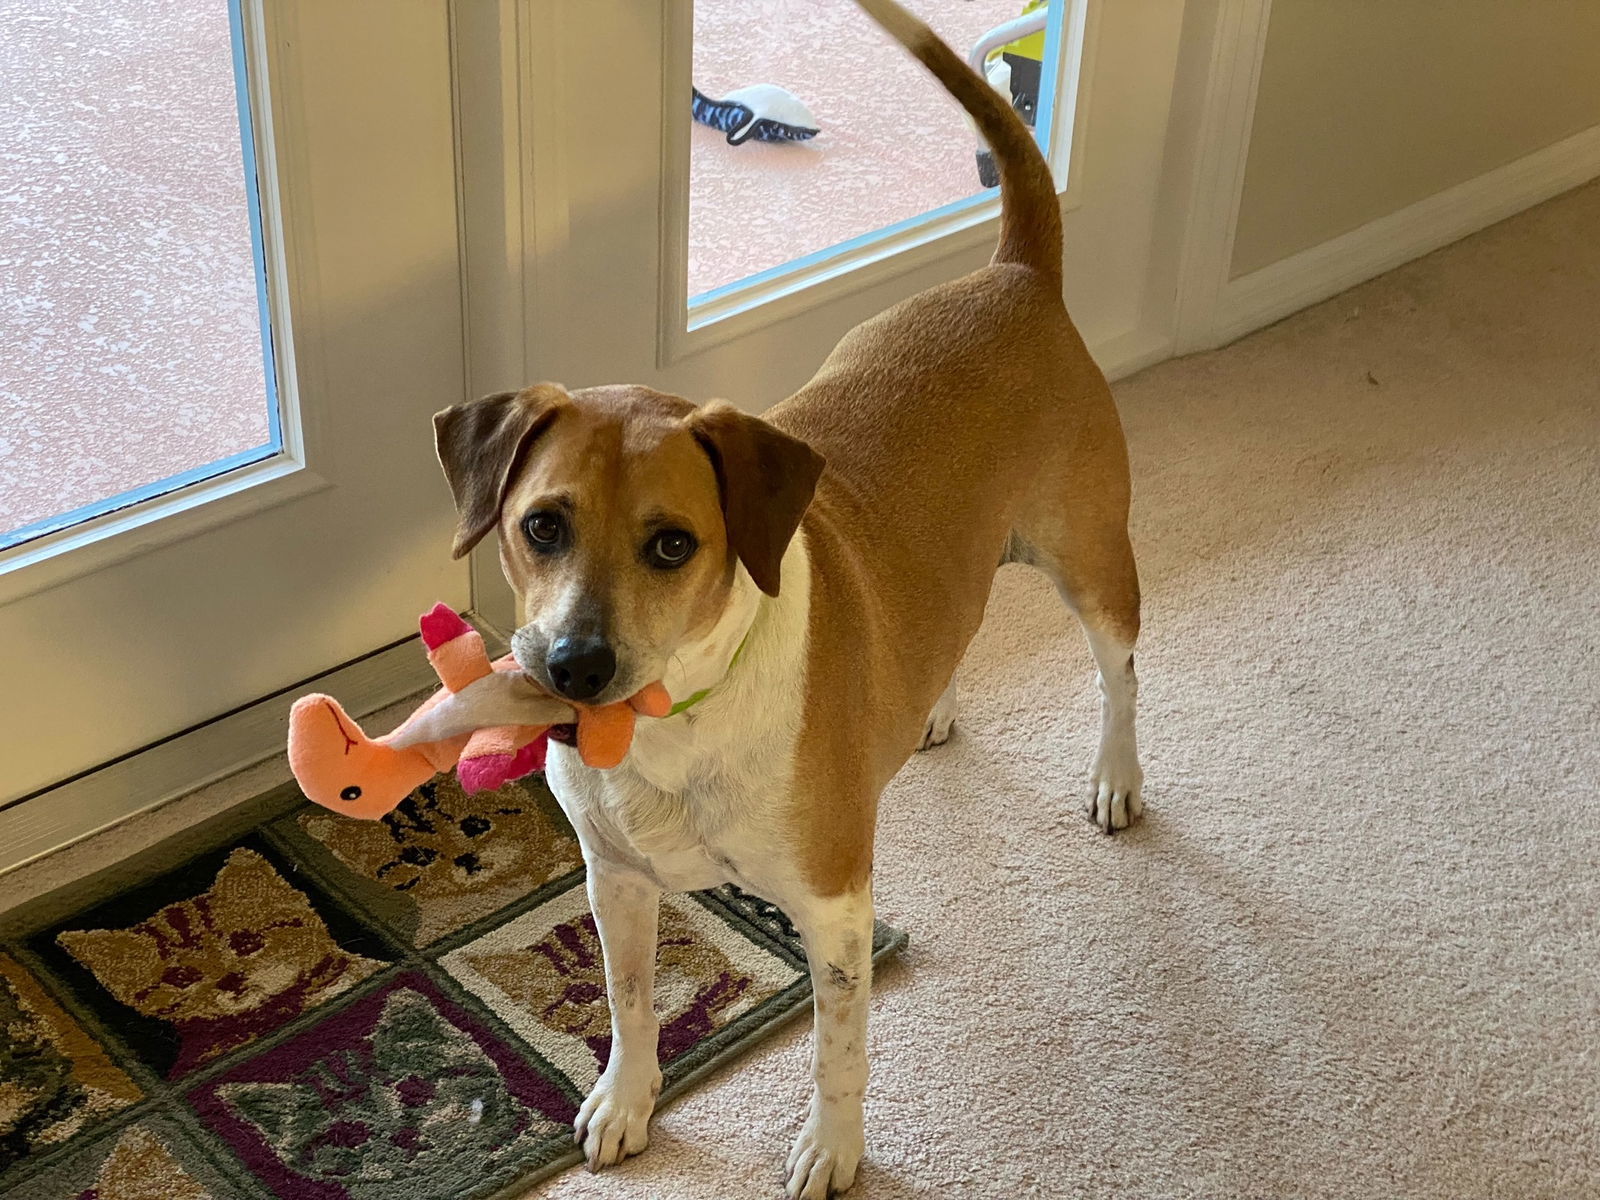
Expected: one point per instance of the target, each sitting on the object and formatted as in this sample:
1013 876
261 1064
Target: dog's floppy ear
766 479
479 446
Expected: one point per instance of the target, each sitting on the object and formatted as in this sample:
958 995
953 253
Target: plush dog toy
340 767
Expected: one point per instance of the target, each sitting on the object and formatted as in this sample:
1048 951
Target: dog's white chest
675 815
699 800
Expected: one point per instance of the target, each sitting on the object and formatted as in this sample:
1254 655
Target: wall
1367 106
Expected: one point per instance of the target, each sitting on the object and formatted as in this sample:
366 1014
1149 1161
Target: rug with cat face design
326 1009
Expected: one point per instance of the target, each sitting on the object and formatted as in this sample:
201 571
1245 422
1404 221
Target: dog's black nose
580 667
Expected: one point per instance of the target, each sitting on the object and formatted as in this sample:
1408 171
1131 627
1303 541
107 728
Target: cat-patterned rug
327 1009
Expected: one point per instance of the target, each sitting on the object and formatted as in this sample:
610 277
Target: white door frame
1214 105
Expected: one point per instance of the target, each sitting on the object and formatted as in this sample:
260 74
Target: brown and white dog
648 538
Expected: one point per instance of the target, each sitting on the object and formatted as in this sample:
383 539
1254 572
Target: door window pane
132 351
890 144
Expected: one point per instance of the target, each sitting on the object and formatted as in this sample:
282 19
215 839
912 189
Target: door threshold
194 775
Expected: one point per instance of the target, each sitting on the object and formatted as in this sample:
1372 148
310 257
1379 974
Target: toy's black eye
350 793
545 531
670 548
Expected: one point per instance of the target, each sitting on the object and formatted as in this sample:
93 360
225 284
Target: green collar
690 702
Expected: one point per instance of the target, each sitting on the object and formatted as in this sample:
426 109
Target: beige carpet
1353 950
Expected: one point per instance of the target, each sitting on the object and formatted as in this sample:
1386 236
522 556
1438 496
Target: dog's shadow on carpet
1253 979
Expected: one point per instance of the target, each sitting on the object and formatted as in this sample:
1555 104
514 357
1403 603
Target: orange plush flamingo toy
340 767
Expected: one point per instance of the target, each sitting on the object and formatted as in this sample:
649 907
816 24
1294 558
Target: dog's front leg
614 1121
837 933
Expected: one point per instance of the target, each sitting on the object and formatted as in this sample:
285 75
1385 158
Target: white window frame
688 326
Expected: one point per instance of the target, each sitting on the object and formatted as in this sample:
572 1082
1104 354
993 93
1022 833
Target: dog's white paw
824 1159
614 1121
940 721
1114 786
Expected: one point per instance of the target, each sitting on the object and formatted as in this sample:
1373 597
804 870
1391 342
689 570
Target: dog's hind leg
1081 543
1114 800
940 720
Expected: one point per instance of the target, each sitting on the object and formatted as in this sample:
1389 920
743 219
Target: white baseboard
1262 297
1130 351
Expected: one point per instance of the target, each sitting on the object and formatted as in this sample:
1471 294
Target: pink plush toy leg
497 756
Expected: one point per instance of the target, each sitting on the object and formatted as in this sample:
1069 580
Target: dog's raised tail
1030 214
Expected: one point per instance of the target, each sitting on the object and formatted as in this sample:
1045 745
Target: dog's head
623 514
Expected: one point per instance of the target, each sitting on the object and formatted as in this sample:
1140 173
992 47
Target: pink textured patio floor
130 348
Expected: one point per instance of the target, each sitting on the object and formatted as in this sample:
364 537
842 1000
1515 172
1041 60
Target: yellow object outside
1031 46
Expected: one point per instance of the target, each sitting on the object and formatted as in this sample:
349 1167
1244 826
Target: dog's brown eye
670 548
544 529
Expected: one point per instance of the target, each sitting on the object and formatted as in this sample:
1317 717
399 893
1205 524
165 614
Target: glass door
712 193
230 300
